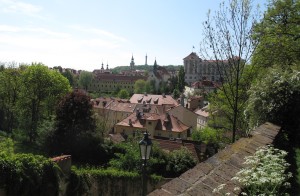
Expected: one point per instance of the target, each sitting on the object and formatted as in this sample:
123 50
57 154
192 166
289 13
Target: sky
82 34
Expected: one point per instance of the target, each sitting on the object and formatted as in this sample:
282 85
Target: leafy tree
40 91
176 93
75 129
181 79
139 86
278 34
123 94
276 98
69 76
85 79
206 135
228 37
180 161
9 94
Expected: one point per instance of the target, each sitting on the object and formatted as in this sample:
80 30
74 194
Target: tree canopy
85 79
229 44
278 34
40 90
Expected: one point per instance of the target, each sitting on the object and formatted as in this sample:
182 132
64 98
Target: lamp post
145 150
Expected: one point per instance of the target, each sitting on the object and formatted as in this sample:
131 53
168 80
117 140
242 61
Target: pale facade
197 69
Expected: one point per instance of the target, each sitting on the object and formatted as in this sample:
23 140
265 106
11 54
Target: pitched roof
193 55
201 112
153 99
164 123
121 106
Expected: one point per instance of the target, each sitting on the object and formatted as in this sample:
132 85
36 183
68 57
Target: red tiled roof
202 113
121 106
153 99
164 124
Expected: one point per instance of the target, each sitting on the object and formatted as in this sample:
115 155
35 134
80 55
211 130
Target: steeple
132 63
107 66
102 66
155 65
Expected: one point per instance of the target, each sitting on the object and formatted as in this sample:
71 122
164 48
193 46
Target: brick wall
220 168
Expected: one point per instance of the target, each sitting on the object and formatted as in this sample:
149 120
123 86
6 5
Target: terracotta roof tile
154 99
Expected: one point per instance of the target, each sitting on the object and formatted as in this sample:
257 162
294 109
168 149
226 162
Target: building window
149 123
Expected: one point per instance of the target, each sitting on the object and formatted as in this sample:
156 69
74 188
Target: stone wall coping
220 168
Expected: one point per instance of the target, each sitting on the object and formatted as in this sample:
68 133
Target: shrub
265 173
27 174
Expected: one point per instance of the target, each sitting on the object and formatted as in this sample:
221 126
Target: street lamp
145 150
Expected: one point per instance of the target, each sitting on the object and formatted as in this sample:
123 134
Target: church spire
155 65
102 66
107 66
132 63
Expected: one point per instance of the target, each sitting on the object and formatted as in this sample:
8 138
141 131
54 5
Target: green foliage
278 35
297 158
228 41
139 86
123 94
181 79
85 79
127 157
207 135
275 98
75 129
27 174
6 146
67 74
81 179
9 93
180 161
265 173
41 89
176 93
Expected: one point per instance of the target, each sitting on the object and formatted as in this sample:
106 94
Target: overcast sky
82 34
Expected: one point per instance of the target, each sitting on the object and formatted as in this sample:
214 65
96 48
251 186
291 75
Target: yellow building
165 125
107 82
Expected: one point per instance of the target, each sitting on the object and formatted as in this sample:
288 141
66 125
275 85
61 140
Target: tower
132 63
107 66
146 60
102 66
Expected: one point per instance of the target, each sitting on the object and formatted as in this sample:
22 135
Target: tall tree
278 34
123 94
75 129
40 90
9 94
69 76
228 42
139 86
85 79
181 79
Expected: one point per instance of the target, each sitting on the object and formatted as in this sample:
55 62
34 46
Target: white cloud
79 51
99 32
13 6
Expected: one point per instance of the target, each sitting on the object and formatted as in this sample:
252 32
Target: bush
265 173
180 161
27 174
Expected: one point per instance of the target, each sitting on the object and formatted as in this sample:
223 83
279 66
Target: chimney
130 122
137 112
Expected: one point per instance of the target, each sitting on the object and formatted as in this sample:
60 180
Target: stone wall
220 168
